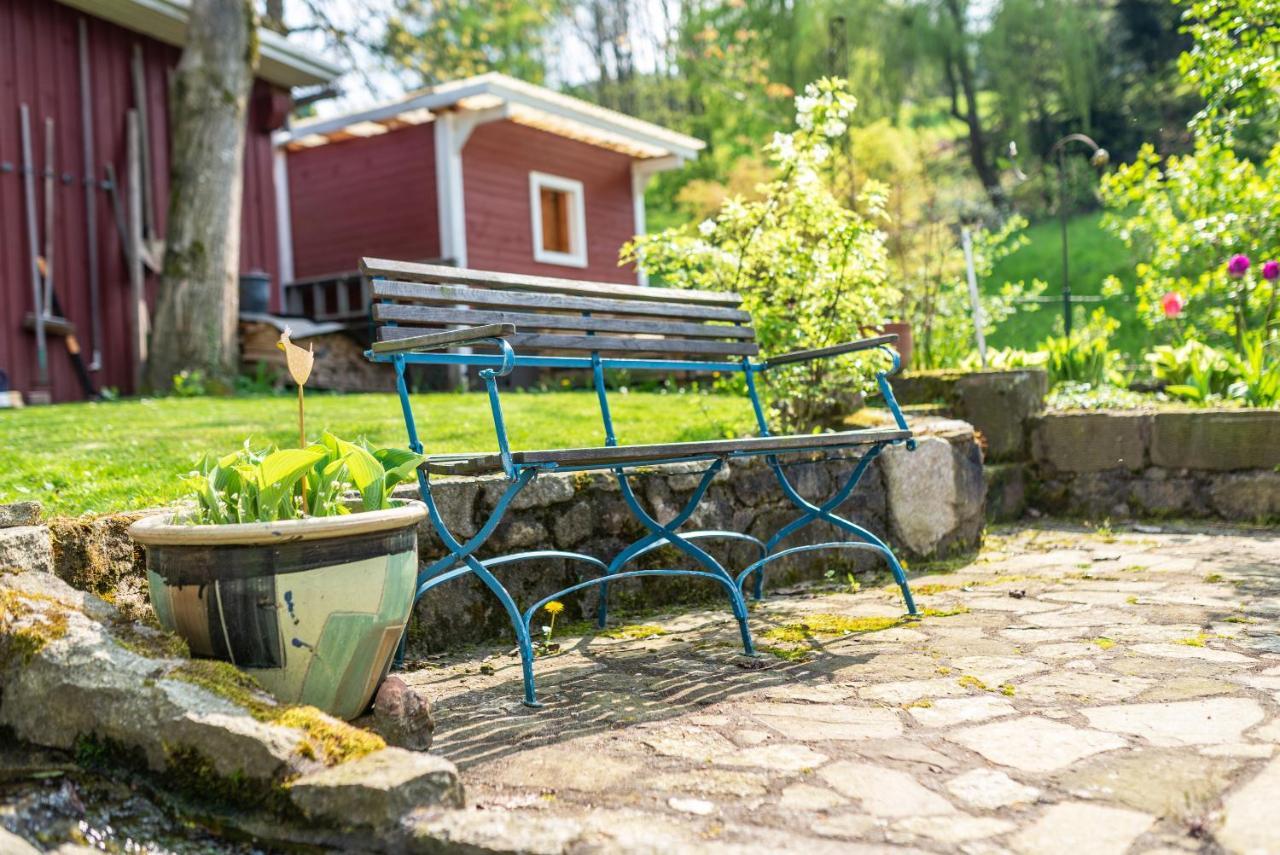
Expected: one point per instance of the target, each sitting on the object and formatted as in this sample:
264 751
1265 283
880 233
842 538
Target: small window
559 220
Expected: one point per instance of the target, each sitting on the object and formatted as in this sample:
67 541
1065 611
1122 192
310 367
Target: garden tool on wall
90 181
33 244
151 247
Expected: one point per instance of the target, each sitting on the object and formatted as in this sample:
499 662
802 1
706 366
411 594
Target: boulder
400 715
26 547
377 790
19 513
922 493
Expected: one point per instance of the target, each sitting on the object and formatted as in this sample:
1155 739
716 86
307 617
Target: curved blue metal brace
659 532
507 559
813 513
769 559
707 534
604 580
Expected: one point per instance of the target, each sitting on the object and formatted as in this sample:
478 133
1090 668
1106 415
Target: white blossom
806 103
820 153
834 128
707 227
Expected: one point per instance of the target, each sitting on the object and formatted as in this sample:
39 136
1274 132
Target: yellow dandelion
554 607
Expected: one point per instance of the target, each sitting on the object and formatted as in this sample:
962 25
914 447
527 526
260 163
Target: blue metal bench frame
461 559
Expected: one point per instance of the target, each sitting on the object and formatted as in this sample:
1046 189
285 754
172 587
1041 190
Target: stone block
999 404
377 790
1221 440
1006 498
1165 496
26 547
924 387
922 493
19 513
1091 442
1246 496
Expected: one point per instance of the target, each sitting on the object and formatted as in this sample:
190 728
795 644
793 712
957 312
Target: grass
1095 255
126 455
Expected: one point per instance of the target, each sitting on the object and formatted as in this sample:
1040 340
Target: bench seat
603 457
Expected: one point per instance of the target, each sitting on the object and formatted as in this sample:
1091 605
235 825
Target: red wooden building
67 59
488 172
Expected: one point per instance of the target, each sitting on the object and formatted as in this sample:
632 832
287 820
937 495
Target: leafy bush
291 483
1005 359
1192 371
1259 369
1086 355
811 270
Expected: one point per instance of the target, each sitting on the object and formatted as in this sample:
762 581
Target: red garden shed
80 67
488 172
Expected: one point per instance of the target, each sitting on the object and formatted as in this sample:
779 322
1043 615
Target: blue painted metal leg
825 512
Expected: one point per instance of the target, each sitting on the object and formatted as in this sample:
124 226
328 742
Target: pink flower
1271 270
1238 265
1172 303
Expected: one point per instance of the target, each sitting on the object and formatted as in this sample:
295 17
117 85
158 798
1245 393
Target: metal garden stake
299 362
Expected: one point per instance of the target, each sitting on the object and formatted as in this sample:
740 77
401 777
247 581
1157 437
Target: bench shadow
599 684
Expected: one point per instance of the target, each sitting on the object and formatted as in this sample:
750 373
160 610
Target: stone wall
1184 463
929 503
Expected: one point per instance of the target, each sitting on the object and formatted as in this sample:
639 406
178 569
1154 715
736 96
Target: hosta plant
291 483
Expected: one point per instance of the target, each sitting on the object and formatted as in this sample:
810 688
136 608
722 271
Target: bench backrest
560 316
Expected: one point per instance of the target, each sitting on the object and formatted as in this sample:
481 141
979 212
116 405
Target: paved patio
1070 691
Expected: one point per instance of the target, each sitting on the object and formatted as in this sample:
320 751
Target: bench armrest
440 340
834 350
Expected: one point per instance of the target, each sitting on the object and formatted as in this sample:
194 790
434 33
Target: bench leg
825 512
666 533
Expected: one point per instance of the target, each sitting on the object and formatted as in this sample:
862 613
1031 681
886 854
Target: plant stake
299 363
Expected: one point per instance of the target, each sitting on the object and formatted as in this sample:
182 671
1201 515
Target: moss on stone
786 654
1104 642
969 681
324 738
28 622
149 641
634 630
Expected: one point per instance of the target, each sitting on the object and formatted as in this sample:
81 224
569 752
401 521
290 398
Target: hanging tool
137 290
50 219
152 247
90 200
117 210
56 324
29 188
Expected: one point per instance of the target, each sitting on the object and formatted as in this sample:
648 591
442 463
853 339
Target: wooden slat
529 321
446 338
464 464
453 295
525 342
433 273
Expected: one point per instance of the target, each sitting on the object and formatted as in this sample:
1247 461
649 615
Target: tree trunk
963 69
198 304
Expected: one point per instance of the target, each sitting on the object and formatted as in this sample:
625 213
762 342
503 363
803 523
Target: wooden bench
497 322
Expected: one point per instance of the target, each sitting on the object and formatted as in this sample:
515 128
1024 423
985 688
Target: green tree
1234 61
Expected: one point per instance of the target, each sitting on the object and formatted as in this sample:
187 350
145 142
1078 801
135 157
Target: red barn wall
39 66
496 163
364 196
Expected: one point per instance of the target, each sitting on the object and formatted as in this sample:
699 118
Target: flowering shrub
810 269
1194 219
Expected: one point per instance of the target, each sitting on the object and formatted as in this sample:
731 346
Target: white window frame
577 254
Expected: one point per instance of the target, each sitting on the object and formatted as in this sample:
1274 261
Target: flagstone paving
1068 691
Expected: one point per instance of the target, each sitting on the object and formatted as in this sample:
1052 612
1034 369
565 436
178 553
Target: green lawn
100 457
1095 255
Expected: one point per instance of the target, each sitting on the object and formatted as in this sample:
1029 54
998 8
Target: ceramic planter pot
312 608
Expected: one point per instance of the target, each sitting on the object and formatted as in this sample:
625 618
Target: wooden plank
439 340
454 295
525 342
529 321
463 464
438 274
834 350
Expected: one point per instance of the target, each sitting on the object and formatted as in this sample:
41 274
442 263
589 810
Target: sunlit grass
124 455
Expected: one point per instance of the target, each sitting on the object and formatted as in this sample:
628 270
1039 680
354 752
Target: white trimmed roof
280 61
522 102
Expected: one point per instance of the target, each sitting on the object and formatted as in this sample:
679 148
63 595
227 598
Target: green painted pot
312 608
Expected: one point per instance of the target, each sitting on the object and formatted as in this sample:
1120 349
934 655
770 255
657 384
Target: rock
1006 499
1203 722
543 491
828 721
1246 495
1033 743
1164 783
989 789
12 844
922 493
1216 439
26 547
401 716
999 403
1248 823
883 791
377 790
20 513
1077 827
1091 442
